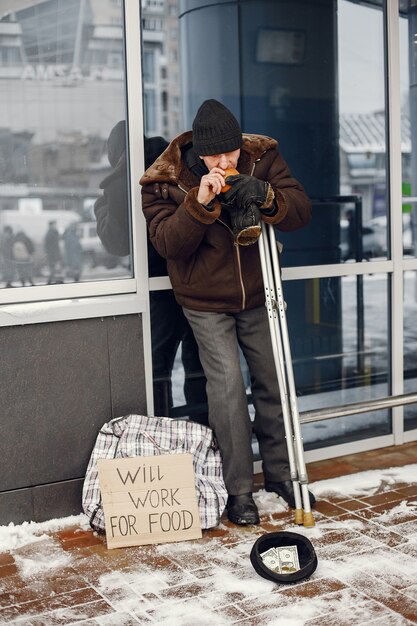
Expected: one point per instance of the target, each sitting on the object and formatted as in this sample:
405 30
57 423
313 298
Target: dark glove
244 223
246 191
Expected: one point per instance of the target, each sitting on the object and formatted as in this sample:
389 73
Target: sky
361 59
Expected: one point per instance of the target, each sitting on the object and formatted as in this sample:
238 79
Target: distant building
161 72
363 162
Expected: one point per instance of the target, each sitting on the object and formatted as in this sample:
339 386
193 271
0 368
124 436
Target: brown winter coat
208 271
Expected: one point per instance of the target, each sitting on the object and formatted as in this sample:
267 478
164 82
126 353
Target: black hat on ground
306 556
215 129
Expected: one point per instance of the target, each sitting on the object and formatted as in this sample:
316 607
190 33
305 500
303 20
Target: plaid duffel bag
140 435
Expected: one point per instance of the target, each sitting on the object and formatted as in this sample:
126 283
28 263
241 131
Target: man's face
224 161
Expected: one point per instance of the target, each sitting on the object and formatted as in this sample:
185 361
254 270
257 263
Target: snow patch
15 536
41 563
365 483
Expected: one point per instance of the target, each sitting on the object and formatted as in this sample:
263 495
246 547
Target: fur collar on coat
169 166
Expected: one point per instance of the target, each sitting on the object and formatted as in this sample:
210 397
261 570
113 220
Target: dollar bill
282 560
271 560
288 559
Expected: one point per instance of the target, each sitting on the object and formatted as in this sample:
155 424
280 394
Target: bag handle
160 449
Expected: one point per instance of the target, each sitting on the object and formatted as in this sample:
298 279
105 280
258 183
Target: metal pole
343 410
360 319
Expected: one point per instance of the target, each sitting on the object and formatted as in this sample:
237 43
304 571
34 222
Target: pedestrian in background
23 250
72 252
53 252
6 255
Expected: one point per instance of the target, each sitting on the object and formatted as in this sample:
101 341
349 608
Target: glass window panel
408 60
304 80
362 132
410 346
148 66
349 359
178 379
336 361
294 72
62 92
408 38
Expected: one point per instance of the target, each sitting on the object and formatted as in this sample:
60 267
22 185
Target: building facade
89 334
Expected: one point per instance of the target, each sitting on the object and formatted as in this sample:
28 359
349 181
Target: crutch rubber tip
298 517
308 519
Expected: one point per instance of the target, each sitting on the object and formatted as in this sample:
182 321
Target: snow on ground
49 557
364 483
15 536
352 485
228 571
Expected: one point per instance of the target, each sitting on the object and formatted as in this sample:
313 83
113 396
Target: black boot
242 509
286 491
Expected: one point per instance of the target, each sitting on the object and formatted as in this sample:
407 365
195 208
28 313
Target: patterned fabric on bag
139 435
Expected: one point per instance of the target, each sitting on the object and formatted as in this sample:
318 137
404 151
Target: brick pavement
70 577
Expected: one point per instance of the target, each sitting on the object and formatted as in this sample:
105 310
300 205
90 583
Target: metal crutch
283 364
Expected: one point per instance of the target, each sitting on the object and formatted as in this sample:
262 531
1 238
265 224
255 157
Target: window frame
97 298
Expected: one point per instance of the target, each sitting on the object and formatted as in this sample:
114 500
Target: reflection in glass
62 91
362 128
358 371
179 384
410 346
330 122
408 35
346 362
408 74
294 72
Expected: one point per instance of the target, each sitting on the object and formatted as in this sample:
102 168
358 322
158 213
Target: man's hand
244 223
210 185
246 191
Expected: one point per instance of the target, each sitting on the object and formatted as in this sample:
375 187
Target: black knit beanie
215 129
116 143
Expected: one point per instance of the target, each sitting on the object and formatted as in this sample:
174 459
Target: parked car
408 245
374 241
375 237
94 252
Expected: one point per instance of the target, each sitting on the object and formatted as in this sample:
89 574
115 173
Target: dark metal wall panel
56 500
16 506
41 503
127 380
59 382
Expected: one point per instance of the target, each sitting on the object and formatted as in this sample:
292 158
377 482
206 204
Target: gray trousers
218 336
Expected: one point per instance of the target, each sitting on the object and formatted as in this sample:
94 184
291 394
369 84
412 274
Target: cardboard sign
149 499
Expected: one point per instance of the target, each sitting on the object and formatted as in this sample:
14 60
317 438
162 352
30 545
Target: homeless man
209 239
